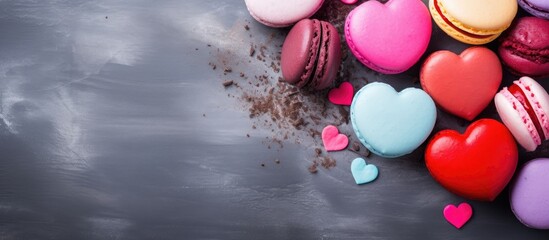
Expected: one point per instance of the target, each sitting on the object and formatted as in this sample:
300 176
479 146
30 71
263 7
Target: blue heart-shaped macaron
391 123
362 172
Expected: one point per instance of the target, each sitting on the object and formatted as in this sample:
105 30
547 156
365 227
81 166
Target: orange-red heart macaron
463 84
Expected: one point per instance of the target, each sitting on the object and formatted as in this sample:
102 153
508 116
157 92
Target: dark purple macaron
311 54
524 48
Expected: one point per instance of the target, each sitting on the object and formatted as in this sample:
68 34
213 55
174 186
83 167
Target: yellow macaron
473 21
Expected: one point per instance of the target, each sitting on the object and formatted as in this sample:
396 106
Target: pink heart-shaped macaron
342 95
459 215
389 38
333 140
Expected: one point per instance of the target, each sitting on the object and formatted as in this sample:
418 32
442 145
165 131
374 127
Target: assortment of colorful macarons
390 38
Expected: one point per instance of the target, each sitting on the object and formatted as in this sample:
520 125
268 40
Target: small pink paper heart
459 215
342 95
333 140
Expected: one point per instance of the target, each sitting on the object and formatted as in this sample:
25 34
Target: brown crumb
228 83
263 164
327 162
247 135
318 152
227 70
313 167
246 27
355 147
252 50
277 161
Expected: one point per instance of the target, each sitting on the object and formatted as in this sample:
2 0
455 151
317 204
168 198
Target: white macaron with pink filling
523 108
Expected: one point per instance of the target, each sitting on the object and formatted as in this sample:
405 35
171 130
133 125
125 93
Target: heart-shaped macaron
389 37
363 172
391 123
462 85
477 164
343 95
333 140
459 215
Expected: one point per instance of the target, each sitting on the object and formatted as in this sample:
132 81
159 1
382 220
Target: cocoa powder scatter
327 162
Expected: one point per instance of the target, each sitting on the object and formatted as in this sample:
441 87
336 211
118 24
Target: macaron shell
525 47
299 52
481 16
539 100
538 8
282 13
529 197
329 57
391 37
518 122
455 33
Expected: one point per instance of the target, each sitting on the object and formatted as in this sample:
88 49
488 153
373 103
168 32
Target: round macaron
529 196
311 54
538 8
524 48
523 108
282 13
473 21
388 38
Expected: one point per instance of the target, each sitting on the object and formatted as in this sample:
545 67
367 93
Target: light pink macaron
282 13
523 108
389 38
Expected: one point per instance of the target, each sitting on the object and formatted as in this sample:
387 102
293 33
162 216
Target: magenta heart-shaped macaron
389 38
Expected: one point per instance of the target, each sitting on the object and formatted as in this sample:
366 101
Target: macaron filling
449 23
523 51
317 56
521 97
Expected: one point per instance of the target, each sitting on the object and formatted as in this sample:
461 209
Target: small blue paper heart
363 172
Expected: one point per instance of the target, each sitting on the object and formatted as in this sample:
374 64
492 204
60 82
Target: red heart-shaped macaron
477 164
462 85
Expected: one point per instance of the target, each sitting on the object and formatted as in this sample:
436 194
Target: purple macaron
538 8
529 196
311 54
524 48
